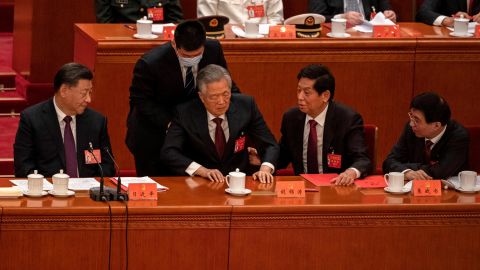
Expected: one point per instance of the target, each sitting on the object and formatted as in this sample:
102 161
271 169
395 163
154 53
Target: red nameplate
424 188
89 159
290 189
155 14
142 191
373 181
256 11
282 31
334 161
477 31
168 32
320 179
386 31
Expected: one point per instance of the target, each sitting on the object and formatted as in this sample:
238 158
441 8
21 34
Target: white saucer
403 191
241 33
68 194
235 193
453 34
151 36
38 195
474 190
343 35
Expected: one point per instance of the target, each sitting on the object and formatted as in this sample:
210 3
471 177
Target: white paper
23 184
128 180
158 28
82 183
367 26
456 182
471 27
264 28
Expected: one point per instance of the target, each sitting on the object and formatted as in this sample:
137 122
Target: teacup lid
237 172
462 19
60 175
35 174
144 20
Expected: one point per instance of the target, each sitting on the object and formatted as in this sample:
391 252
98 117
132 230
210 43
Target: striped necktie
189 82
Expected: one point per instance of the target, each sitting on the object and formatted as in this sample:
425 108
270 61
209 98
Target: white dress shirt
236 10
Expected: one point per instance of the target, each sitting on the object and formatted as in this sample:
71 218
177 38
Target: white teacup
339 26
236 181
144 27
251 28
395 181
35 183
467 179
60 183
460 26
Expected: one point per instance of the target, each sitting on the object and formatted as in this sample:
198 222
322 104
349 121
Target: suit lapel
233 128
298 124
83 131
200 123
328 131
50 119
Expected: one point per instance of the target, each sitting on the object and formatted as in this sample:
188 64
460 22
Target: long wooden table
196 225
377 77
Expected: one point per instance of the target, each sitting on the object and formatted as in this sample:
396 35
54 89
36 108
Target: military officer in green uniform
129 11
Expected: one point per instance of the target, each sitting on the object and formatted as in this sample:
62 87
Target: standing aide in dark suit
208 135
442 12
431 145
55 134
352 10
163 78
321 135
129 11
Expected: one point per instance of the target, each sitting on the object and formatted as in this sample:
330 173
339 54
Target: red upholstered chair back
474 149
371 133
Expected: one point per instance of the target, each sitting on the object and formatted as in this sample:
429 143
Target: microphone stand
119 195
101 193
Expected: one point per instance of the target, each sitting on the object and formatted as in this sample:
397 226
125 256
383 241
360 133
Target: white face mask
190 62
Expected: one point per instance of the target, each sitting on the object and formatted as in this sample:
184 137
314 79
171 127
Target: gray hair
212 73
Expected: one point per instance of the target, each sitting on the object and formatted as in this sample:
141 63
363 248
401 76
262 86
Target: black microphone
119 196
99 194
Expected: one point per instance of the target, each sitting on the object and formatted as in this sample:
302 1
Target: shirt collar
211 116
320 119
437 138
60 114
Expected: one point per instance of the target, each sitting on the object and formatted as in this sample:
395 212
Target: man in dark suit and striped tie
163 78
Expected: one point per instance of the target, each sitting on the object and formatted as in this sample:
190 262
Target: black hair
69 74
433 106
190 35
324 79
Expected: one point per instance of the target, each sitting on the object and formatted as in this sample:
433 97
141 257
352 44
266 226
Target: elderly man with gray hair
207 136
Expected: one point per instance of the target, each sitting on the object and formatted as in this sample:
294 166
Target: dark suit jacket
449 155
39 144
113 11
157 87
343 134
188 138
431 9
330 8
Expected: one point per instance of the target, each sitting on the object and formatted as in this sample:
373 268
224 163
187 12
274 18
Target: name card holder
427 188
142 191
169 31
290 189
386 31
477 31
282 32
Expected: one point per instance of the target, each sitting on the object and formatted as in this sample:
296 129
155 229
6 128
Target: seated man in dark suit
352 10
56 134
129 11
207 136
321 135
442 12
431 144
163 78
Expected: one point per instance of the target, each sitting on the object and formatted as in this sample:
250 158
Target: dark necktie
70 151
312 158
189 81
428 150
219 136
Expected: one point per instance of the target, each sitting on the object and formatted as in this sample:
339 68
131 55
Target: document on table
367 26
82 183
23 184
138 180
